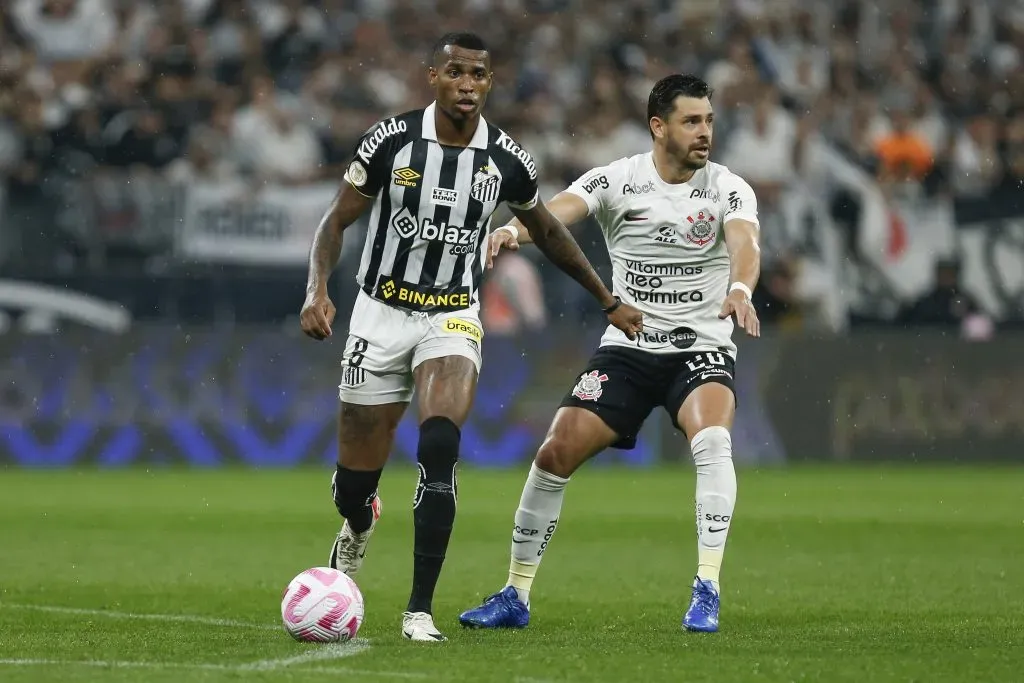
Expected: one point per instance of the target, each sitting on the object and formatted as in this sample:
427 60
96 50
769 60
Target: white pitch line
329 651
112 664
360 672
181 618
320 654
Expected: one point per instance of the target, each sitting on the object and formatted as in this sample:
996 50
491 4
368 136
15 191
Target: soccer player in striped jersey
430 178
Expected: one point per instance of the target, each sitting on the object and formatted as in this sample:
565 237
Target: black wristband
611 309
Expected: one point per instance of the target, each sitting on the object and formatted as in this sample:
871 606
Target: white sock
716 498
536 520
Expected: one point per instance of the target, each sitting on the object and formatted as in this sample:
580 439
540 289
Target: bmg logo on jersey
594 183
415 297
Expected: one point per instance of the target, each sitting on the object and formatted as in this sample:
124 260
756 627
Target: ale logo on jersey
702 229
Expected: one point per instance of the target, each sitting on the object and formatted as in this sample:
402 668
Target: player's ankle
523 594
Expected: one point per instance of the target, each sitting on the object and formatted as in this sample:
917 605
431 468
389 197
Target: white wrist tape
742 287
513 231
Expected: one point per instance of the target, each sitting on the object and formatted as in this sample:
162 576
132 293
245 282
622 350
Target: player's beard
686 156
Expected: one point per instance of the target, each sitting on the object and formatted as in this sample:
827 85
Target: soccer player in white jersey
682 233
430 179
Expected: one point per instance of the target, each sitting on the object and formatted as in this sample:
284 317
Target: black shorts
622 385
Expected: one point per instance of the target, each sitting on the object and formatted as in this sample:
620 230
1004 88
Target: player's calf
715 503
715 498
355 496
535 523
433 507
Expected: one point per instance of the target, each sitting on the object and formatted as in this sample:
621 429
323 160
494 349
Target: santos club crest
589 386
485 186
702 228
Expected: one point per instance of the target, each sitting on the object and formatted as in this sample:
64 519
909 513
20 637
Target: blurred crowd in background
884 140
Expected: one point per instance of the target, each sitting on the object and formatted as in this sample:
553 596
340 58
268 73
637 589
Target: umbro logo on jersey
406 177
635 215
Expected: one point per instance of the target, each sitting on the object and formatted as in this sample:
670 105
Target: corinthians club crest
702 228
589 386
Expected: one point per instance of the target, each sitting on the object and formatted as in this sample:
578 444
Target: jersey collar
674 187
479 140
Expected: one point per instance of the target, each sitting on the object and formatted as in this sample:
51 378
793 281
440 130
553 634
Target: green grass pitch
832 574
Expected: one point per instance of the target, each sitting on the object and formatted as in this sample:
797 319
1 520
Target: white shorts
385 344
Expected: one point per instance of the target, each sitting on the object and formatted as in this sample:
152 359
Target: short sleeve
594 187
738 200
370 166
521 190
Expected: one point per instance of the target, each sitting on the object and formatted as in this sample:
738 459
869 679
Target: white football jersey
667 247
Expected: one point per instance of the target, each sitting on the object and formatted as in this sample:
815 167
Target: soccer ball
322 605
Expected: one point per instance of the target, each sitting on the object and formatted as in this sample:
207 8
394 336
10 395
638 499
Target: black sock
354 491
433 507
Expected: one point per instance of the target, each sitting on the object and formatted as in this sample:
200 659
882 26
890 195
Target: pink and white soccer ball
322 605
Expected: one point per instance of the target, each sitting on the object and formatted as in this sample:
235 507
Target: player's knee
439 444
711 445
557 456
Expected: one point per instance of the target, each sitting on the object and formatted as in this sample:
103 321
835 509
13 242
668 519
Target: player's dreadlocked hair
664 93
468 41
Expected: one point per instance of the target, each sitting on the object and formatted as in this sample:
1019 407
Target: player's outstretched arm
741 239
565 206
557 243
318 310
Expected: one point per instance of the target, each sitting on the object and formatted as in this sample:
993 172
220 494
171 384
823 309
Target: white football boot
420 626
350 547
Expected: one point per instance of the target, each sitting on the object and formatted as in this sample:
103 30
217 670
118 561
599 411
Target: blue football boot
502 610
703 612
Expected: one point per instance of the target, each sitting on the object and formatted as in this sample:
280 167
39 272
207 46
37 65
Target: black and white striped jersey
432 208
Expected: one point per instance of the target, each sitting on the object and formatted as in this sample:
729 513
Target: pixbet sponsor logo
705 194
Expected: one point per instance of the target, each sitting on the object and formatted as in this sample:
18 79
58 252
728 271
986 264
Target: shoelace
421 619
348 548
706 600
